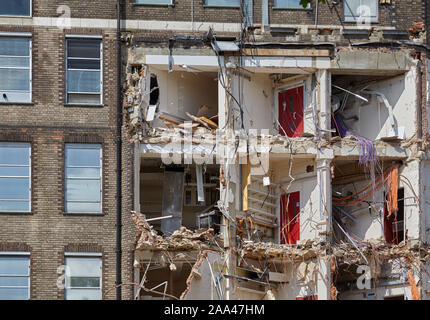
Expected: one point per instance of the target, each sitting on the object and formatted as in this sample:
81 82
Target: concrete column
324 80
324 225
324 278
222 98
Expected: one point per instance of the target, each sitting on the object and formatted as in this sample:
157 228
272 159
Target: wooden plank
212 124
286 52
246 181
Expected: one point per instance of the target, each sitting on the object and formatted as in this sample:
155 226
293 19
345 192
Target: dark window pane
83 64
83 48
83 98
15 7
81 282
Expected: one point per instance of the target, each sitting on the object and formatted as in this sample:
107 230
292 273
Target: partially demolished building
280 153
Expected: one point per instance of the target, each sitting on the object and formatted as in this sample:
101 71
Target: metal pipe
118 158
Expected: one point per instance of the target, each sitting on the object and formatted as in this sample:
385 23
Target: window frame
353 19
14 16
20 145
84 37
205 4
18 254
291 8
98 146
136 3
83 255
13 35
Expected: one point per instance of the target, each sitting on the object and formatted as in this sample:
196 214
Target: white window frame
84 37
354 18
222 5
82 255
31 12
20 35
151 3
291 8
83 146
18 254
19 145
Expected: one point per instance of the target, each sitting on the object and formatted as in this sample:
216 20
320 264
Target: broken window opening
154 95
177 197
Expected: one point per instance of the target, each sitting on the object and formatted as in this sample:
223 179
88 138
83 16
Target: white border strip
83 254
89 36
14 253
16 34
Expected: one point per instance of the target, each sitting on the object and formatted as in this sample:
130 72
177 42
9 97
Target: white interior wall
411 172
307 184
257 101
374 121
425 200
182 91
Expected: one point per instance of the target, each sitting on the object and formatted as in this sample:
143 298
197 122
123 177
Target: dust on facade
270 151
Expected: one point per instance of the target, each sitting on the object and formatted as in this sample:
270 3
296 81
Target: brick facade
47 123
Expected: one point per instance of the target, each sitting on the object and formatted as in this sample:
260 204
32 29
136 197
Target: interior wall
257 101
307 184
425 200
374 121
182 91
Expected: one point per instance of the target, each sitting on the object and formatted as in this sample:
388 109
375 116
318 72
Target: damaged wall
182 91
372 119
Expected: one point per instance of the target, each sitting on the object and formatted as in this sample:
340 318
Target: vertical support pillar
324 280
324 79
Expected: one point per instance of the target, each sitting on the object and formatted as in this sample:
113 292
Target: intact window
15 8
84 76
223 3
15 69
83 185
289 4
14 276
15 185
360 11
83 277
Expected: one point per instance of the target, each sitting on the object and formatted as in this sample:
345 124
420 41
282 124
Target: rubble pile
181 240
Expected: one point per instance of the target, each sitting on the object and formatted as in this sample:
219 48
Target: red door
290 218
291 112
